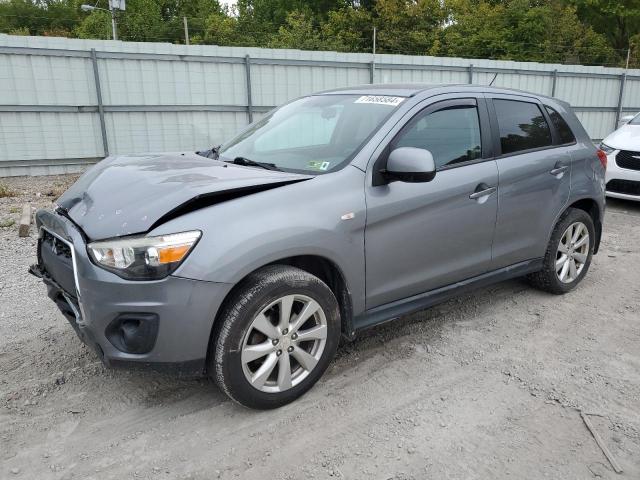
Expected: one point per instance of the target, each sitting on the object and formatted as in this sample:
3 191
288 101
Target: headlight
143 258
606 148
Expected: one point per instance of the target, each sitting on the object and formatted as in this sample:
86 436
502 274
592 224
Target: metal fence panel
148 82
66 102
170 131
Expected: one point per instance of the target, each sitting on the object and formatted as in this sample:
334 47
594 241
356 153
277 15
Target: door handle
486 190
559 170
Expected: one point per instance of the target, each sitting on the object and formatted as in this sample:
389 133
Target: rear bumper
172 318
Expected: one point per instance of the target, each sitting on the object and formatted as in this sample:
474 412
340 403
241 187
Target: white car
623 153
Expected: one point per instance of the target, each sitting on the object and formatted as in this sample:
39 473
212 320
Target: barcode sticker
381 100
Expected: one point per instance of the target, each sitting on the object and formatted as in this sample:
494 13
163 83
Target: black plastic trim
133 332
393 310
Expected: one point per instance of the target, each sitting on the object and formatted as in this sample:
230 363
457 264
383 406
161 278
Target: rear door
535 177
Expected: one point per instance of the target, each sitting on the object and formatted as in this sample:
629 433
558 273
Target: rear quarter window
566 135
522 126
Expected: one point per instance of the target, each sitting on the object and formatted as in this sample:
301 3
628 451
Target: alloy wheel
284 343
573 251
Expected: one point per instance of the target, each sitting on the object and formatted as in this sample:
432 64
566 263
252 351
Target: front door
421 236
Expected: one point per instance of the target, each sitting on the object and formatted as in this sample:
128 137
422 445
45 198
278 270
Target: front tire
568 255
276 336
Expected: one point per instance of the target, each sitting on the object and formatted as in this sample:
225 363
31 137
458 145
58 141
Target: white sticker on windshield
381 100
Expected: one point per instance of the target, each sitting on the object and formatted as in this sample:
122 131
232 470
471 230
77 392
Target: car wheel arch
323 268
590 206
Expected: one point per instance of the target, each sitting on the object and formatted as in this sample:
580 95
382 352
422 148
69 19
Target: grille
56 245
625 159
55 256
626 187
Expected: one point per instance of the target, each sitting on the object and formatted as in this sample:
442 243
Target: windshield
316 134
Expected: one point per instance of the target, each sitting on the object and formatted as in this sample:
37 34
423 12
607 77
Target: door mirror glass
409 164
626 119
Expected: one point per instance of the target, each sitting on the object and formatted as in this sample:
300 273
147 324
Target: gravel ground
486 386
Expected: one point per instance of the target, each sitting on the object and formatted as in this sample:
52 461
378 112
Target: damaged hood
124 195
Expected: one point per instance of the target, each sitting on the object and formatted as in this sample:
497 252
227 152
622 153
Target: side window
522 126
452 135
566 135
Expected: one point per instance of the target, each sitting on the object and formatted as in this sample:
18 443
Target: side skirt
406 306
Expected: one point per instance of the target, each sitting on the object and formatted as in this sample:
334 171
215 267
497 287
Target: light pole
91 8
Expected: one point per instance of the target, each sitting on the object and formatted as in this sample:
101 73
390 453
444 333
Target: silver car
334 213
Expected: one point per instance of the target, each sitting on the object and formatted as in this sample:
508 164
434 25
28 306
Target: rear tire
568 255
276 336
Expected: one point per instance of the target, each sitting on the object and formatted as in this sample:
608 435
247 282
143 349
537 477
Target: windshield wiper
251 163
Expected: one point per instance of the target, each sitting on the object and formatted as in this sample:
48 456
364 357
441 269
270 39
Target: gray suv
333 213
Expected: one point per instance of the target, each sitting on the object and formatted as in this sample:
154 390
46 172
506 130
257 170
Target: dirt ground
486 386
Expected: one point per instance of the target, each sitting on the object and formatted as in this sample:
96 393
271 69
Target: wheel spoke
561 261
562 248
582 241
580 257
263 325
308 310
260 377
285 312
305 359
317 332
253 352
565 269
284 371
573 271
577 231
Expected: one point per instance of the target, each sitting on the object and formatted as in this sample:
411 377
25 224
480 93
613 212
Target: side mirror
409 164
626 119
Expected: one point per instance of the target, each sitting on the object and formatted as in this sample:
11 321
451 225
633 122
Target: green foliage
566 31
298 32
7 222
5 191
520 30
617 20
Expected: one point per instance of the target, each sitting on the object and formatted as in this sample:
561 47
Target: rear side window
452 135
566 135
522 126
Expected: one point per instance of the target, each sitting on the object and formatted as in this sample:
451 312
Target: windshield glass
316 134
635 120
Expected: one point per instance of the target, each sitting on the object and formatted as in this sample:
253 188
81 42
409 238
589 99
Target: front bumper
178 311
621 183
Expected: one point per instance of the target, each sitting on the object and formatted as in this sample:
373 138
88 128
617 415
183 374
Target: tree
348 30
298 32
522 30
575 31
409 27
617 20
38 18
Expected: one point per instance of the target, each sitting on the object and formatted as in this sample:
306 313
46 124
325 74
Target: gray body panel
399 246
421 236
124 195
299 219
185 306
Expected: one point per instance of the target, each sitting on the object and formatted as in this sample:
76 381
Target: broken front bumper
163 324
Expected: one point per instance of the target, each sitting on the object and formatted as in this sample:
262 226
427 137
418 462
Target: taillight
603 158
